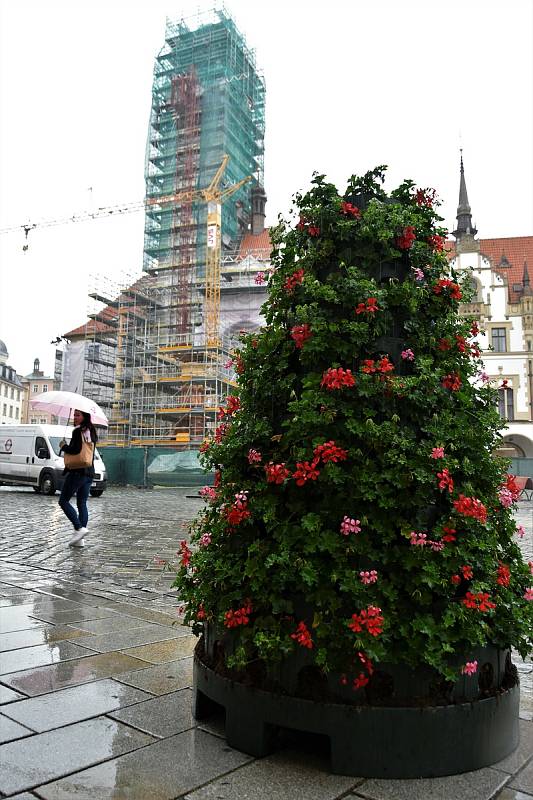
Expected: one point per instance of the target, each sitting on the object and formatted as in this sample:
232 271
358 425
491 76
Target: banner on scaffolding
211 236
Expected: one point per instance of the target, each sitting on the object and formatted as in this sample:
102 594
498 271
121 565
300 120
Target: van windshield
54 441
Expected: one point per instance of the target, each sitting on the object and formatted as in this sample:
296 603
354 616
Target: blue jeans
79 485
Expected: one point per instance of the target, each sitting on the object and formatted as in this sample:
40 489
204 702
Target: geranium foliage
358 510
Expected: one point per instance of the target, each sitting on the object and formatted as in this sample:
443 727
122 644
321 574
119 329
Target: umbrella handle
68 422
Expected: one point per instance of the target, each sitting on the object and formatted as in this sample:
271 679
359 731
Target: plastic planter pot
403 725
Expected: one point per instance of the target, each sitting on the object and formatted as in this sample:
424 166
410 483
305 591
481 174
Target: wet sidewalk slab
96 674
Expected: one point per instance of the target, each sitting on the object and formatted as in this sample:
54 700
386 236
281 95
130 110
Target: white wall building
503 306
11 391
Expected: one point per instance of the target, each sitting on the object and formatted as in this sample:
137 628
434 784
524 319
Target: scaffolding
168 391
171 373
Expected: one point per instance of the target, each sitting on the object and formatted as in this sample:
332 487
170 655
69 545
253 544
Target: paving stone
107 642
118 622
46 756
507 794
161 771
14 600
69 673
278 777
479 785
39 656
9 696
143 613
10 730
23 796
165 651
34 636
524 780
16 618
74 704
523 752
161 678
160 716
76 615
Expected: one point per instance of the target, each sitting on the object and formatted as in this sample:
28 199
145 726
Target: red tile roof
256 243
91 326
507 257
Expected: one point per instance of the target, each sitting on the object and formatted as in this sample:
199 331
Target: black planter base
370 742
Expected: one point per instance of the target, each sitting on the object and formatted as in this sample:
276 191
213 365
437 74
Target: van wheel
36 489
47 485
97 492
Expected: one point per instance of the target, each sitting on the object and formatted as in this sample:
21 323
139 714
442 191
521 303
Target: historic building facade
502 303
11 391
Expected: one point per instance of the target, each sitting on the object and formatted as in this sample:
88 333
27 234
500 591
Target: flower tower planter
355 571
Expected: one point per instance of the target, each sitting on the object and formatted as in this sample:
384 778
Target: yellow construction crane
214 197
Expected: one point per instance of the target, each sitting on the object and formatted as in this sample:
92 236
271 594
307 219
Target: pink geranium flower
520 531
205 539
408 355
437 452
349 525
470 668
254 456
418 539
419 274
528 594
505 497
368 577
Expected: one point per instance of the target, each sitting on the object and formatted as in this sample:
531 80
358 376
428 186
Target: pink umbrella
62 404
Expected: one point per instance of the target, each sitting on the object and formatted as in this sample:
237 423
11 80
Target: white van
29 456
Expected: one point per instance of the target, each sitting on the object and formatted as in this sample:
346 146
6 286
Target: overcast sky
350 84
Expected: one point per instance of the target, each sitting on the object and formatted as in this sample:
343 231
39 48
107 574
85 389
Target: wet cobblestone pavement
96 672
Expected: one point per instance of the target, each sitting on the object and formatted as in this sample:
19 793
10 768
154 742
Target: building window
45 387
11 412
33 420
16 413
12 393
43 420
35 388
4 412
506 403
499 340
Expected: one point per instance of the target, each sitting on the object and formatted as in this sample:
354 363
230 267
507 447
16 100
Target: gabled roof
507 257
96 325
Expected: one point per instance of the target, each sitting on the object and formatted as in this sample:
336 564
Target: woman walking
78 480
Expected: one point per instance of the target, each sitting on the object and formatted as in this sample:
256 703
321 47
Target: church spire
465 229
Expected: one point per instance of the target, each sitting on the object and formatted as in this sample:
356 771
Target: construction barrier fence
146 467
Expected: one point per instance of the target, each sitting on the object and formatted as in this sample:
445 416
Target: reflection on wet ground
96 672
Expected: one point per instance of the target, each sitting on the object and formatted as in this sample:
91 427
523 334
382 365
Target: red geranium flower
302 636
293 281
406 239
276 473
337 378
504 575
370 306
452 382
232 619
350 210
436 242
330 452
306 471
300 334
446 480
471 507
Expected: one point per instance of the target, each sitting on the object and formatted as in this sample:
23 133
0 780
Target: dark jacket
73 449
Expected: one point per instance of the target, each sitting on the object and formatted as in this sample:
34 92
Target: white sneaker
79 534
81 543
